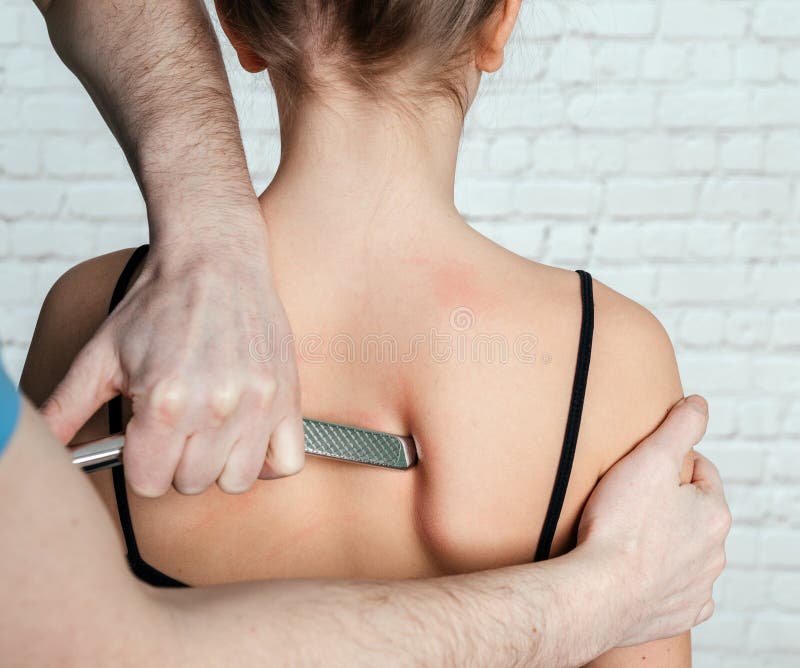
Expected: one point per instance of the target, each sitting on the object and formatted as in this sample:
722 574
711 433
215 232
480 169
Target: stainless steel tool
326 439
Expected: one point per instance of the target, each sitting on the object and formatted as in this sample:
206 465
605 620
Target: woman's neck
349 167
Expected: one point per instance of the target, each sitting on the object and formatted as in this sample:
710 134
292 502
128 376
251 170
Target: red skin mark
453 283
305 533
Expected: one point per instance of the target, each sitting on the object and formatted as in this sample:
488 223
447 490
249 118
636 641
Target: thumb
706 475
88 384
682 429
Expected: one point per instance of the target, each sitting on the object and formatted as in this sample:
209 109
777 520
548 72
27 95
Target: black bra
152 576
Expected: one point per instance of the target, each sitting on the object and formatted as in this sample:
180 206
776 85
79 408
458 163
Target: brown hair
365 42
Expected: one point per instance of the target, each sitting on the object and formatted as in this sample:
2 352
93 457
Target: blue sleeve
9 408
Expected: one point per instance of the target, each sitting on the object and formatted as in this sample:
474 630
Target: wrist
186 230
193 188
600 602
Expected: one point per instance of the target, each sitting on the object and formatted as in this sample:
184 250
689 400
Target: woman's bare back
465 345
461 343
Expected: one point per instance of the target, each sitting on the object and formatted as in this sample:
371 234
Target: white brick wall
655 142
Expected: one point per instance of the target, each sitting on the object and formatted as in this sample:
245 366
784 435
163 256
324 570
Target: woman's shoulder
493 430
75 306
624 329
633 373
625 332
634 377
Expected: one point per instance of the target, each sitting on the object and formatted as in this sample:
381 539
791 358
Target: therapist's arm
154 70
68 595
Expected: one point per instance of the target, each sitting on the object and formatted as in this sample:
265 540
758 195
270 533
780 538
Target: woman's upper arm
668 653
634 378
74 308
636 382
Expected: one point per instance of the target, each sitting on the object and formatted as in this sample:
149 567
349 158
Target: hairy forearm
64 575
559 613
64 578
156 74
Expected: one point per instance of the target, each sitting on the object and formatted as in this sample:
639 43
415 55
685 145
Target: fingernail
696 402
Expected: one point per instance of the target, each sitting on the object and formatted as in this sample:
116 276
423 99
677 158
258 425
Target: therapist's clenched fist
202 347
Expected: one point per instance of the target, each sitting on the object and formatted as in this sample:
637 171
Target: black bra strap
573 420
115 413
142 569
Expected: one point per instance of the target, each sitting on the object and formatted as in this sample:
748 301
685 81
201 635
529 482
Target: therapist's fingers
286 453
243 465
153 448
682 429
260 410
706 475
92 380
206 451
254 426
202 461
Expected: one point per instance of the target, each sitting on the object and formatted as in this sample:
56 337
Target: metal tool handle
325 439
101 454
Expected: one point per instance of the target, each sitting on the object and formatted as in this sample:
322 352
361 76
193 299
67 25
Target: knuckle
723 521
168 398
265 389
222 400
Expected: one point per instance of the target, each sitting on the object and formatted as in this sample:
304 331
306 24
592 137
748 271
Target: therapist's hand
665 540
196 343
202 347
